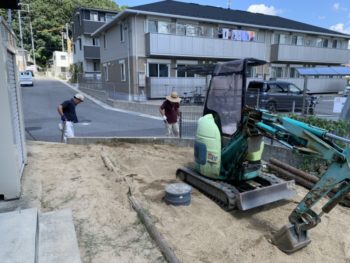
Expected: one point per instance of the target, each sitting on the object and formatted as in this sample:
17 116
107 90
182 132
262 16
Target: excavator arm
313 141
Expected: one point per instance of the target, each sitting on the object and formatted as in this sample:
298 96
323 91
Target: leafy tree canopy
48 19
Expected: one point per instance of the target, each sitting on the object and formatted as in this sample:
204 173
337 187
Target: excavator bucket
289 241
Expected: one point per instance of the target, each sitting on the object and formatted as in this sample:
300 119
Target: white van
26 78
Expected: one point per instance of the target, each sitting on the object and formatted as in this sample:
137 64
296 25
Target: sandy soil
108 230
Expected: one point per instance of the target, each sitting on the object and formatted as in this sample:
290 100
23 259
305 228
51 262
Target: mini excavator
228 149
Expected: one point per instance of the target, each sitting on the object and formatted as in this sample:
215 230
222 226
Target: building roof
96 9
207 13
237 16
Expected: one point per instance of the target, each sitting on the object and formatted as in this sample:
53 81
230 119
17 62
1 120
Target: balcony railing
189 46
91 26
91 52
291 53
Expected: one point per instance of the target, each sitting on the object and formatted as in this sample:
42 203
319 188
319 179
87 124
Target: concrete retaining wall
141 140
283 154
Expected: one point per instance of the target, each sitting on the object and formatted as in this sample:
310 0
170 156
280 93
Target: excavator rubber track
230 197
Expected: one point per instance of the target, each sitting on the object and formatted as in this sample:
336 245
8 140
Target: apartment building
86 49
143 45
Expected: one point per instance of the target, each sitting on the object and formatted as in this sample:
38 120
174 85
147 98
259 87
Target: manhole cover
178 194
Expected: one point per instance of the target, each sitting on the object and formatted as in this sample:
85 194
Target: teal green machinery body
302 139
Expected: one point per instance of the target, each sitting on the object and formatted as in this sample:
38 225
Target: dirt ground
108 229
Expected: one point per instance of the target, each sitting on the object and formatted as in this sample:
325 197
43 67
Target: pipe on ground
154 233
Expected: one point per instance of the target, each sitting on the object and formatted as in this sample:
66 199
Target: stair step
57 238
18 231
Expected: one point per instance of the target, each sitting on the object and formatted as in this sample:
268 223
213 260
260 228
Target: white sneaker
60 126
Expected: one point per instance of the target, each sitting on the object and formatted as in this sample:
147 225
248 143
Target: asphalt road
41 118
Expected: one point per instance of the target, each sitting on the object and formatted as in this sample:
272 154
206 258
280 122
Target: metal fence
192 103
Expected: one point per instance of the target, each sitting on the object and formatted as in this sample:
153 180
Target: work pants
172 129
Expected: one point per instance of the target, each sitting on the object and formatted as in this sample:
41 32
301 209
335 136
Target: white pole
62 41
20 27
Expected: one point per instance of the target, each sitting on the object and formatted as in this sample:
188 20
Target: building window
79 43
325 43
74 48
152 26
251 72
109 17
297 40
180 29
122 70
105 71
96 66
336 43
63 57
93 16
101 17
158 70
184 74
293 73
121 33
96 42
63 69
104 42
321 42
227 33
164 27
283 39
276 72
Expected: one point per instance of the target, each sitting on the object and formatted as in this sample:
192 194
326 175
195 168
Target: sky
330 14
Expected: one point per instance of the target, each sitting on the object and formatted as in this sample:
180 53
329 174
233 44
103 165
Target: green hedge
314 165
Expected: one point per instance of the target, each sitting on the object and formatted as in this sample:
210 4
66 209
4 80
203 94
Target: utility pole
62 41
67 37
31 32
9 17
31 35
21 39
20 27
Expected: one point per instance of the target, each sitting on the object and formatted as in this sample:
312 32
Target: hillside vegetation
48 19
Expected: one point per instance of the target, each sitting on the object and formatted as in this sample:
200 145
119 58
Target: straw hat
79 96
173 97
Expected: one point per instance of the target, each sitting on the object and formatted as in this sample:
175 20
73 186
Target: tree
48 19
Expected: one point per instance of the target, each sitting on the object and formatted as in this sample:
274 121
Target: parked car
26 78
275 96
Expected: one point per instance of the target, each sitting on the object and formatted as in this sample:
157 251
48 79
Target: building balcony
91 26
291 53
91 52
202 47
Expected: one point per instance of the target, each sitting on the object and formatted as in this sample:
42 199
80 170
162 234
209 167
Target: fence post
257 100
293 107
180 125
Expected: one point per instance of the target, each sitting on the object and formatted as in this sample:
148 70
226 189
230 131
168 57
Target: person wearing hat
170 111
68 116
